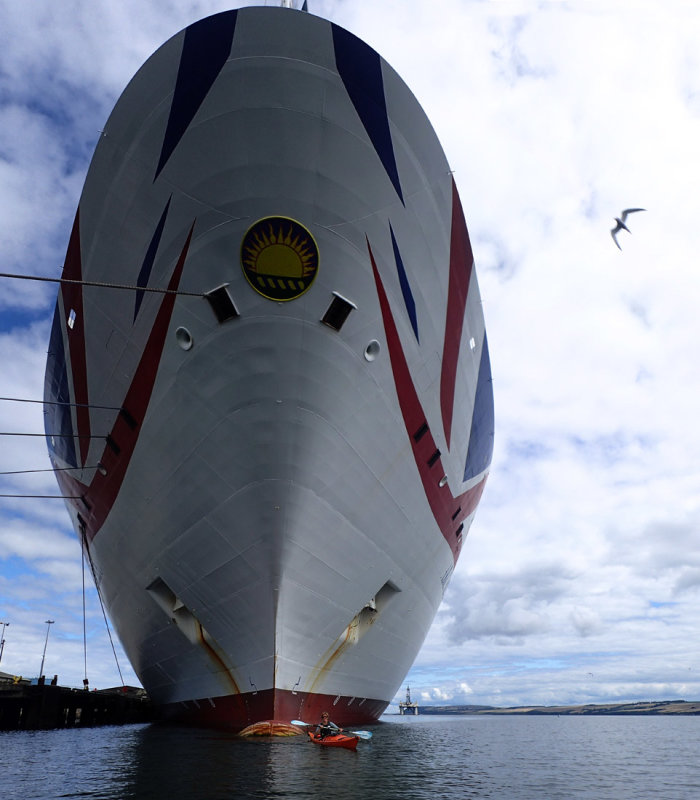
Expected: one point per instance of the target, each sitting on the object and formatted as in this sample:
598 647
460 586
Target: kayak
335 740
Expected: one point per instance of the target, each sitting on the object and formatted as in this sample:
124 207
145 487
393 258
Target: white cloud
29 542
585 621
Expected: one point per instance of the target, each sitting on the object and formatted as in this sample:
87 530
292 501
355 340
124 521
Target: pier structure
38 706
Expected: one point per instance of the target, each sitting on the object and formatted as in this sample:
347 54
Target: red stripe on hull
461 263
104 489
236 712
73 302
449 511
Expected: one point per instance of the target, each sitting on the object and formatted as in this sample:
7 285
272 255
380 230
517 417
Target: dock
41 706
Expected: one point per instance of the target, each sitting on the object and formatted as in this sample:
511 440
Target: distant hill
661 707
456 709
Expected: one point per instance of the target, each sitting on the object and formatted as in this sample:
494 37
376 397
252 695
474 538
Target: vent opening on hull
385 594
176 610
337 312
367 616
353 632
456 514
221 303
192 628
433 459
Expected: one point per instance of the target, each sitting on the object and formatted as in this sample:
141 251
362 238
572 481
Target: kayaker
326 727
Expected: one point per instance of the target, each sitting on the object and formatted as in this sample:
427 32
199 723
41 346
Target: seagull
621 224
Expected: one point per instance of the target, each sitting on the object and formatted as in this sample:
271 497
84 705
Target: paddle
360 734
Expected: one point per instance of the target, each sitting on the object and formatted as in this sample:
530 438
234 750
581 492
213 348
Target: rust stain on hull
329 658
212 650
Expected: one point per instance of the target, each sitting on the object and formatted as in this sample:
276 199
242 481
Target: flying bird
621 224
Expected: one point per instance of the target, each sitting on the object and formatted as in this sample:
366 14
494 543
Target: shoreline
661 707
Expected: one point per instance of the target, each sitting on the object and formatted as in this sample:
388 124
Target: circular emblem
279 258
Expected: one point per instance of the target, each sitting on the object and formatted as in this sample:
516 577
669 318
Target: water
409 758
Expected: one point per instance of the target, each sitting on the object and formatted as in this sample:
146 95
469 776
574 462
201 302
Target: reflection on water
399 762
409 758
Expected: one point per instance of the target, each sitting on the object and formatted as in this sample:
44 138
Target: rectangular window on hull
113 446
337 312
126 416
221 303
420 433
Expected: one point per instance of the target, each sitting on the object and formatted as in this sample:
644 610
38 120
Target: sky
579 581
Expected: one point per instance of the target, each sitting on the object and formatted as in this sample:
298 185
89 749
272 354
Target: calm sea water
409 758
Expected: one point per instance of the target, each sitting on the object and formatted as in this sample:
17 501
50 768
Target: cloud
688 580
504 605
585 621
29 542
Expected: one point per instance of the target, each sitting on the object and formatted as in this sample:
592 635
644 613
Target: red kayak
335 740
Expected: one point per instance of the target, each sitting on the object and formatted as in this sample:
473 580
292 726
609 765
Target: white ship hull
274 514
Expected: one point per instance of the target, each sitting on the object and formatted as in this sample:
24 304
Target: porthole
372 350
184 338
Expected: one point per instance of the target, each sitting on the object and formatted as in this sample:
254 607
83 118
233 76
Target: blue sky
580 579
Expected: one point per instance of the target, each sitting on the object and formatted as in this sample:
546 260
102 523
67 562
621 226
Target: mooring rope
48 469
46 496
101 285
102 605
59 403
54 435
85 682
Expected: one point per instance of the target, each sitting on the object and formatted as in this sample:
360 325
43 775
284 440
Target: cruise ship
268 389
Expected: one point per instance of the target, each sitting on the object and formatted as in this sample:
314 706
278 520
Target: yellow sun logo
279 258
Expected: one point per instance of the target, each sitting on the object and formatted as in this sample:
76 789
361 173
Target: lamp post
2 637
49 623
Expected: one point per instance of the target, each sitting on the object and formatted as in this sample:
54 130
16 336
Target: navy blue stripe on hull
405 286
360 69
481 436
205 50
147 266
58 419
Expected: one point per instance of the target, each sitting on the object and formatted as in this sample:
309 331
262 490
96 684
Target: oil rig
408 706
